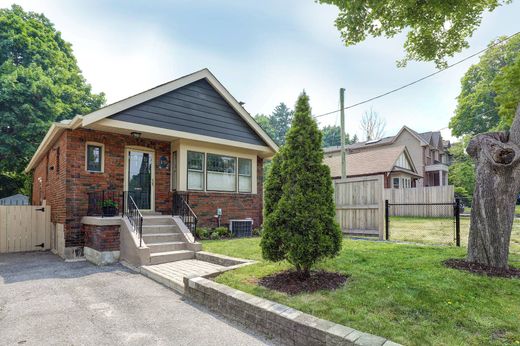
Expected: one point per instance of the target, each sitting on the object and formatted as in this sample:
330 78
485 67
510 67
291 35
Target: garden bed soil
481 269
290 282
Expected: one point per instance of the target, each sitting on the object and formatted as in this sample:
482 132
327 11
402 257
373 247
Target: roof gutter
54 131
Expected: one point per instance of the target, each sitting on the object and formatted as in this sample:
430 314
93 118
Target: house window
57 160
195 170
221 173
94 157
174 170
244 175
396 183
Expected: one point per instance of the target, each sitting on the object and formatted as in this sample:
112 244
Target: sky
264 53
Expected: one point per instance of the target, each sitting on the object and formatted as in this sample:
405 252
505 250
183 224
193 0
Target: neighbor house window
195 170
244 175
174 170
94 157
396 183
221 173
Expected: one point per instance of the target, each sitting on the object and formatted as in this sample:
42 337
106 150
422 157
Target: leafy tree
435 29
280 121
300 224
332 136
478 102
462 170
40 82
265 123
507 86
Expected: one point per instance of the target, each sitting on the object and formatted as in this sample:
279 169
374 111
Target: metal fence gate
438 223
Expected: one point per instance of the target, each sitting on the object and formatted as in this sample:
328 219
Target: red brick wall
53 175
233 205
79 181
101 238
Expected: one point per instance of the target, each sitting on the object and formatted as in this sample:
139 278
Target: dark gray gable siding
195 108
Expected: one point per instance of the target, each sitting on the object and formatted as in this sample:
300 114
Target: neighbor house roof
369 162
380 142
98 118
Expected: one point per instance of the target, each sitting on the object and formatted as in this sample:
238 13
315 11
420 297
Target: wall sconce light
136 135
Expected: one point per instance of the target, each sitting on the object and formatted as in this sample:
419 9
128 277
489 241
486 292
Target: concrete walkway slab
44 301
171 274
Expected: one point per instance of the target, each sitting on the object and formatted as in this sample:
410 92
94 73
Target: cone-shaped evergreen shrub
299 223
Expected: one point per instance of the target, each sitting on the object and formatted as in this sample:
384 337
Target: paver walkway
45 301
172 274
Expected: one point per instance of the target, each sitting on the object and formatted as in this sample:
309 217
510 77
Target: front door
140 178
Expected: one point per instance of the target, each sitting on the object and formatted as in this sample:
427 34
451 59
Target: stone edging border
276 321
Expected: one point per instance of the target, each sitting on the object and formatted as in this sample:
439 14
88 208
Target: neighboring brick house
393 163
428 151
188 136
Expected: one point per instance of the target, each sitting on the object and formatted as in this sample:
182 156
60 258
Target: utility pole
343 157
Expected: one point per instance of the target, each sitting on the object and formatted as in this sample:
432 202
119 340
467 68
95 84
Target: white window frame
95 144
196 170
235 174
250 175
398 183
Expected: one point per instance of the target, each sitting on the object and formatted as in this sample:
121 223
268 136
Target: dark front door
140 178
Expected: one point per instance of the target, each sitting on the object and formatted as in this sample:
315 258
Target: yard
439 231
399 291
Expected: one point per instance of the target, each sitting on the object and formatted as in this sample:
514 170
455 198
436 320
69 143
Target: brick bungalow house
189 137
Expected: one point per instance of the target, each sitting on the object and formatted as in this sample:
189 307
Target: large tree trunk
497 161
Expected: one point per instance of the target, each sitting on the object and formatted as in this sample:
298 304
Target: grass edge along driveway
401 292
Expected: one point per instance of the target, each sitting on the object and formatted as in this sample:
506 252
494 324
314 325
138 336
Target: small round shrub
203 233
214 236
222 231
257 232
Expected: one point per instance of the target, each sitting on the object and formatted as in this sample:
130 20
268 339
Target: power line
420 79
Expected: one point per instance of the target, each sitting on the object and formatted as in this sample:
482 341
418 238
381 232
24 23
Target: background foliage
40 82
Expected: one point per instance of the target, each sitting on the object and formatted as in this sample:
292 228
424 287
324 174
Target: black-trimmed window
195 170
245 175
94 159
221 173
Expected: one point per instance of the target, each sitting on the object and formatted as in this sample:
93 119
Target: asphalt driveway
44 300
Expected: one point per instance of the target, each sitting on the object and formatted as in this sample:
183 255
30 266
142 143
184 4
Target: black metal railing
134 215
104 203
182 209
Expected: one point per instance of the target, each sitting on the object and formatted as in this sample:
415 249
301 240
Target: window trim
250 175
235 174
96 144
173 175
203 171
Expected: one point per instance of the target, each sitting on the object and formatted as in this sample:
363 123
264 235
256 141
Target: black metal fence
105 203
430 223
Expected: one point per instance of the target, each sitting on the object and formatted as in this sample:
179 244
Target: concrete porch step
149 229
166 246
171 256
152 238
157 220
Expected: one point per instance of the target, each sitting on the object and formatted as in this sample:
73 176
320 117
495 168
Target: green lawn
439 231
398 291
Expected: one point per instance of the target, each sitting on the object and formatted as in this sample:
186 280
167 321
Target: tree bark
497 164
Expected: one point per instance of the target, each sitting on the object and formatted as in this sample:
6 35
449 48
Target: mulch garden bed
481 269
290 282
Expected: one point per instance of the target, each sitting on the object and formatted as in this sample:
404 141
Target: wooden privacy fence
360 206
425 199
25 228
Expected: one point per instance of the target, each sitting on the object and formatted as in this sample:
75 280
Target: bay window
244 175
195 170
221 173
